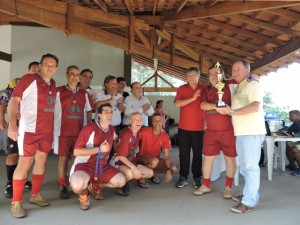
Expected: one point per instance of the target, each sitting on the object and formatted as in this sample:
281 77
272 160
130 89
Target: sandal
155 180
142 183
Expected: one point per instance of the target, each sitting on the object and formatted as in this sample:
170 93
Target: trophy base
220 105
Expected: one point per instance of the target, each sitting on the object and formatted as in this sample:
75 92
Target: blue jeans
249 151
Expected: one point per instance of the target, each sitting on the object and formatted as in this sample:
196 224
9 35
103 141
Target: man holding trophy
219 133
249 128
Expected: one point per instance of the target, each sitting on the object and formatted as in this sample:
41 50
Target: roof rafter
102 5
180 5
278 54
226 8
266 25
58 21
129 7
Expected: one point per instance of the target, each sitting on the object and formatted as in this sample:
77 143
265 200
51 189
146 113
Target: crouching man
90 171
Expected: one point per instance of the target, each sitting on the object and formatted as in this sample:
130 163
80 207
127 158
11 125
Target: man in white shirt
137 103
110 95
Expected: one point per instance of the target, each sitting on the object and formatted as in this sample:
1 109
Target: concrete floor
160 204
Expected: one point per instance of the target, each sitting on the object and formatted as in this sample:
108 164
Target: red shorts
217 141
108 172
66 145
29 143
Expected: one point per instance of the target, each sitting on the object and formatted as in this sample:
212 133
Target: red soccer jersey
215 120
127 144
151 143
36 107
71 111
91 136
191 116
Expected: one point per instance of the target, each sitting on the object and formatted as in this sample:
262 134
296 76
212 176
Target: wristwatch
231 112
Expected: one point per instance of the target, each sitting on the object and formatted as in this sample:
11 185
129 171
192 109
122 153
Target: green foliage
141 73
282 112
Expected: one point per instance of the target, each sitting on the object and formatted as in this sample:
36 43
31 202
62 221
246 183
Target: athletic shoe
124 191
202 190
38 200
227 192
237 198
64 192
296 173
8 193
181 182
28 185
197 182
96 193
241 208
17 210
84 201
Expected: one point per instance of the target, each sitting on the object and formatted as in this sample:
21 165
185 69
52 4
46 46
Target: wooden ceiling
180 33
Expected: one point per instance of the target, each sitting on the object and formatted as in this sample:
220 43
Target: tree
268 105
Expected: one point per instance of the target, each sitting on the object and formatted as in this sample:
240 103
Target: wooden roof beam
225 8
266 25
5 56
220 36
286 13
211 43
180 5
70 18
5 18
278 54
129 7
243 32
154 7
102 5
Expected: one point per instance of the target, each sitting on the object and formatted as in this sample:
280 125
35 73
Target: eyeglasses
49 66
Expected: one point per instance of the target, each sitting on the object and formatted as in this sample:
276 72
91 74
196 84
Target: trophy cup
219 85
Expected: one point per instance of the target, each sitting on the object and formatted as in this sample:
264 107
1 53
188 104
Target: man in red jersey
73 110
12 146
90 171
125 156
219 135
153 140
190 128
35 97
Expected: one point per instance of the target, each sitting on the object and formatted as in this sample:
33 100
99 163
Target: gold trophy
220 85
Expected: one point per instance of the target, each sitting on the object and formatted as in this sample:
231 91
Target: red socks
18 186
229 181
37 181
206 182
63 181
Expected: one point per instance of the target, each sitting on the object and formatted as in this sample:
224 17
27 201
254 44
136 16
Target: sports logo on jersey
74 109
51 100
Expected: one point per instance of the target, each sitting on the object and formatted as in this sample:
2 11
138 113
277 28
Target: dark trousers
187 140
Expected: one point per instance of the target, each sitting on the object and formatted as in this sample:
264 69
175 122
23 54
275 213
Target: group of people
237 129
99 130
106 134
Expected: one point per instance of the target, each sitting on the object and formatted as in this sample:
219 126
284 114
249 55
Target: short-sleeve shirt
215 120
128 144
251 123
191 116
294 128
37 103
102 96
152 144
92 135
71 111
5 96
133 104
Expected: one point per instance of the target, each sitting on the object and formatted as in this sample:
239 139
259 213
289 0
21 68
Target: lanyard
73 92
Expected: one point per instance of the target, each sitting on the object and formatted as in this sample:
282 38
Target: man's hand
12 132
105 147
224 110
120 100
3 124
146 106
196 94
168 177
136 173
